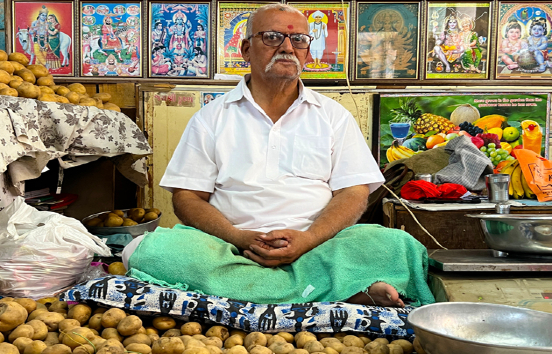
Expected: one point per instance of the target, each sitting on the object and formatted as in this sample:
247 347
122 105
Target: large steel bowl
517 233
480 328
135 230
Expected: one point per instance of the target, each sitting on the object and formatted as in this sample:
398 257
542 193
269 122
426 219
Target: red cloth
452 190
416 190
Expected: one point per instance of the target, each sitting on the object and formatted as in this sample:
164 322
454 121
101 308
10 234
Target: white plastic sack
42 252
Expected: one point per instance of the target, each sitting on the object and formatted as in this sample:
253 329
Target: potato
7 348
138 348
57 349
234 340
274 339
111 107
253 339
77 336
68 324
78 88
7 66
3 55
213 349
5 77
15 82
130 325
353 341
39 328
7 299
61 99
3 86
52 338
163 323
286 335
45 89
26 75
19 57
1 337
9 92
173 332
151 330
95 322
259 349
190 328
326 341
364 339
21 343
51 319
35 347
193 342
111 350
417 346
353 350
47 97
84 349
112 333
63 91
337 345
138 339
38 70
313 346
12 315
281 348
330 350
23 330
45 81
136 214
217 331
406 346
381 340
216 341
238 349
153 337
299 351
197 350
29 90
112 317
376 348
90 102
395 349
302 338
111 342
167 345
36 312
104 96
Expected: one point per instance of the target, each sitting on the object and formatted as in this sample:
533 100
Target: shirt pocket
312 157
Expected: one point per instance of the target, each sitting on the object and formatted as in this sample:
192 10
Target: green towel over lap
189 259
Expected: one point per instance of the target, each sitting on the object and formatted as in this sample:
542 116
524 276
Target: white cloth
319 42
264 175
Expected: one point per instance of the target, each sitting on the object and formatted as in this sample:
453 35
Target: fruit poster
497 123
458 35
111 37
43 31
387 40
179 40
524 45
328 25
232 21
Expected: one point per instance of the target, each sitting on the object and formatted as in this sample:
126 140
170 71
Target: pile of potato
50 326
116 218
19 79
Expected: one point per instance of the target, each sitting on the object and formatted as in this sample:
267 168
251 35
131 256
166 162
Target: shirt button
273 147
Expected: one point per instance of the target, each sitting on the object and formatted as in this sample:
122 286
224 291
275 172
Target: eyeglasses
275 39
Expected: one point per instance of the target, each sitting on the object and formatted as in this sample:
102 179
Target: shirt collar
242 91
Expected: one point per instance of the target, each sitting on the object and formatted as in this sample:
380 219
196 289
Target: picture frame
413 127
329 24
231 24
387 43
457 39
109 48
44 31
521 53
179 40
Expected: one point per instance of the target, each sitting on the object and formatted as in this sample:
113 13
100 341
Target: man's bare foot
513 66
380 294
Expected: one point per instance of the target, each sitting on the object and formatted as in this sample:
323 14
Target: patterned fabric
147 299
33 132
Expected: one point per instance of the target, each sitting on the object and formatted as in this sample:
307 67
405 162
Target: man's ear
245 46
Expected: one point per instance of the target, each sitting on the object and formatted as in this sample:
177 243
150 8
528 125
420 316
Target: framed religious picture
457 40
387 41
178 40
43 31
328 53
523 41
232 22
111 39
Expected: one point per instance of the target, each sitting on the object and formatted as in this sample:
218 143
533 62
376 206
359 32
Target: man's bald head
269 7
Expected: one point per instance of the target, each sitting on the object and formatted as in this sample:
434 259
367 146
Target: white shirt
263 175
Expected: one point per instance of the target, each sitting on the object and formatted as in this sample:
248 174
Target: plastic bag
538 173
42 252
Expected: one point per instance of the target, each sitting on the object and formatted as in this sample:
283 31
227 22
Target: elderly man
270 178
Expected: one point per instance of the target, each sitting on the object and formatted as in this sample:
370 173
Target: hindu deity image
387 41
524 31
177 31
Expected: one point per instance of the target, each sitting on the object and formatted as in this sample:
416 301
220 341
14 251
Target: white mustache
285 57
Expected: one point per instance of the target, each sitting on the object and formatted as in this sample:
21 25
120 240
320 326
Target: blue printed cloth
324 317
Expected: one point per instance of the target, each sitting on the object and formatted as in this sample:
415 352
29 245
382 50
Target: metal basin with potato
135 230
517 233
481 328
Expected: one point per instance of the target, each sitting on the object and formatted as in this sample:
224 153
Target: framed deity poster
111 39
328 52
387 41
43 31
232 22
178 40
457 40
523 44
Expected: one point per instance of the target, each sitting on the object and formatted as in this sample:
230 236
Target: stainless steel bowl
480 328
517 233
135 230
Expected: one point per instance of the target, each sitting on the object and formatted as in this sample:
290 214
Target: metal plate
483 261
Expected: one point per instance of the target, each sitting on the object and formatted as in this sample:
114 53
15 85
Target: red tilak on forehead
290 27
